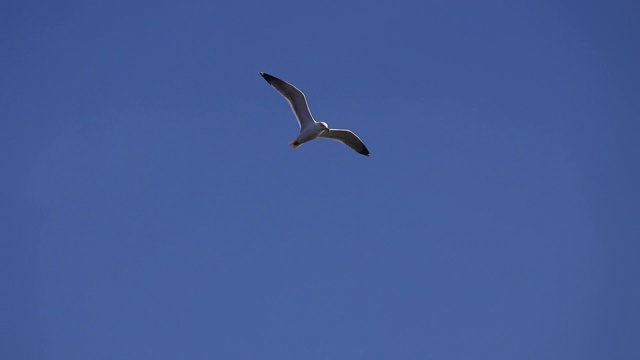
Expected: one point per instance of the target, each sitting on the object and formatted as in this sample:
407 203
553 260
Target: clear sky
152 209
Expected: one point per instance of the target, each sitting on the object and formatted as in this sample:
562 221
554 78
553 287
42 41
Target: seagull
309 127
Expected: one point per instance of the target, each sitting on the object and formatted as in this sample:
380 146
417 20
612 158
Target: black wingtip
267 77
364 151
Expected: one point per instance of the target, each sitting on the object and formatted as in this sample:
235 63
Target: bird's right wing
295 97
348 138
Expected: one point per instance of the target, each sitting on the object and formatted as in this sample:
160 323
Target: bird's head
324 125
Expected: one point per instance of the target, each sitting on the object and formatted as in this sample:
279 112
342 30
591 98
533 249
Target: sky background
151 207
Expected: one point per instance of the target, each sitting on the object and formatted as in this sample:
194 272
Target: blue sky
151 207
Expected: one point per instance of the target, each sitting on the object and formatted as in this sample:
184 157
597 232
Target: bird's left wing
295 97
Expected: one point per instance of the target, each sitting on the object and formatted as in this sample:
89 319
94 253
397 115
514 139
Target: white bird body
309 133
309 127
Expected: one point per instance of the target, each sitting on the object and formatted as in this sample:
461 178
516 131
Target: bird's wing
295 97
348 138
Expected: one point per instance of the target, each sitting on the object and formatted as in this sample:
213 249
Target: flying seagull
309 127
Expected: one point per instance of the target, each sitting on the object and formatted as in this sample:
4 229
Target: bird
309 127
